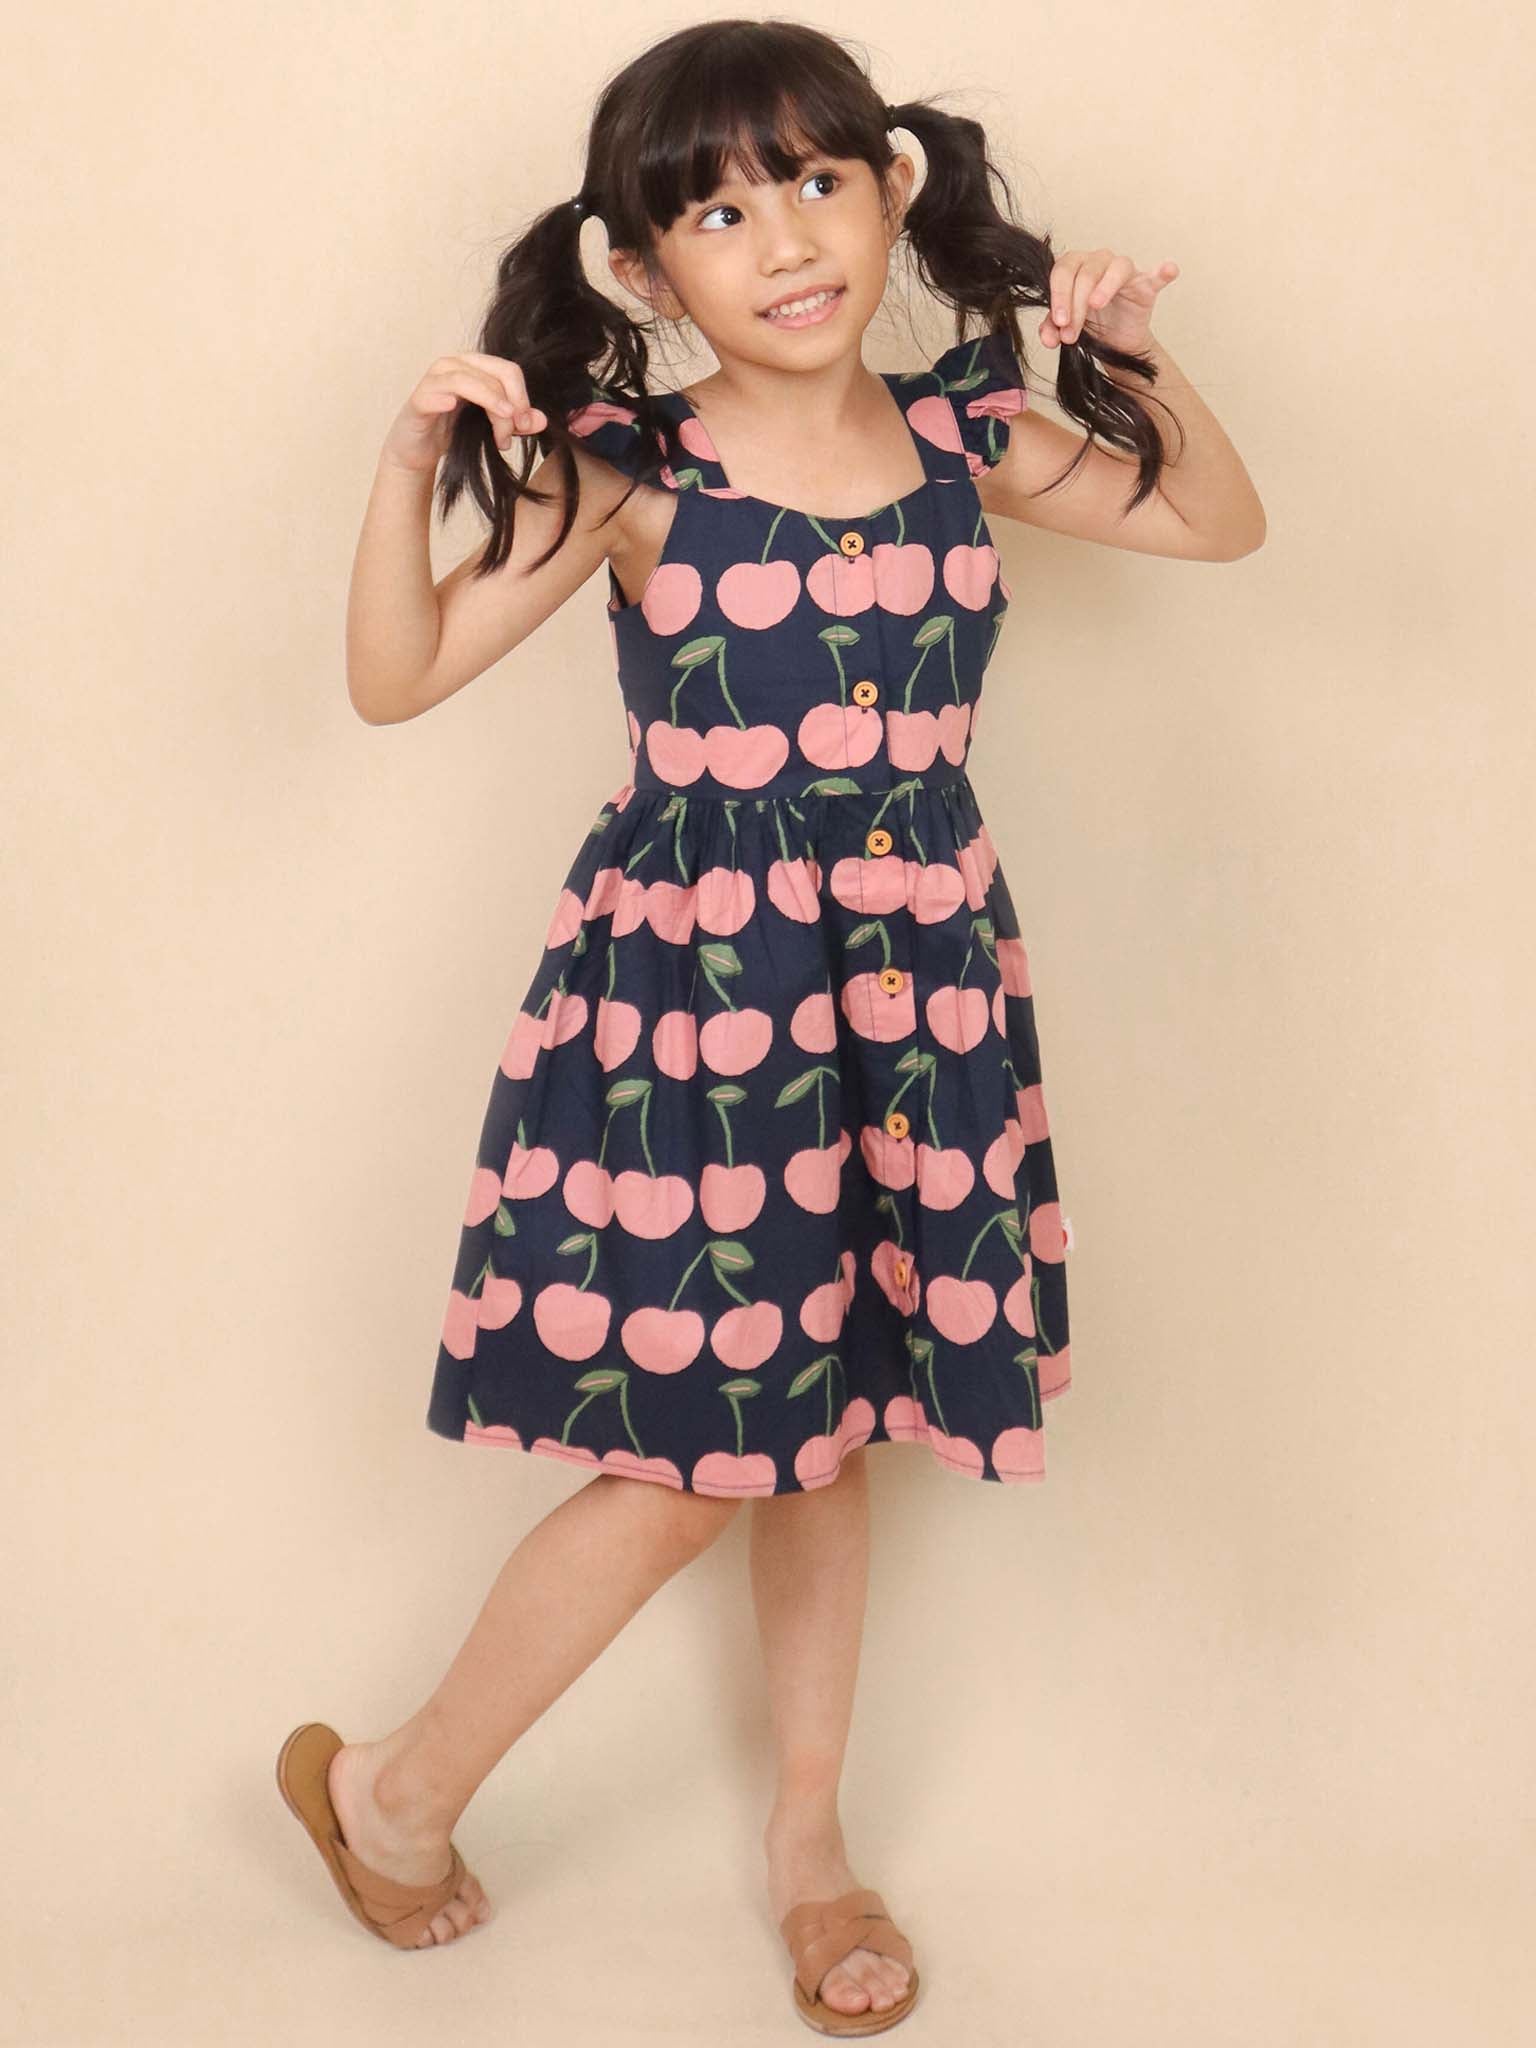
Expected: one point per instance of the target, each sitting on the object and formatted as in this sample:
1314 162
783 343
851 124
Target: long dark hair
768 97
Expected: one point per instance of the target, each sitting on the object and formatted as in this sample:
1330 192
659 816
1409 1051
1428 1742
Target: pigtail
545 316
978 260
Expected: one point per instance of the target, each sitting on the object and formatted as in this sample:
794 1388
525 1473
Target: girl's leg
810 1571
562 1596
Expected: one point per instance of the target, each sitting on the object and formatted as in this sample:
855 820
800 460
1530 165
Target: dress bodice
774 650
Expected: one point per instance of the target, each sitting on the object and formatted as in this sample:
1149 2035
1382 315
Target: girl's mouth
806 312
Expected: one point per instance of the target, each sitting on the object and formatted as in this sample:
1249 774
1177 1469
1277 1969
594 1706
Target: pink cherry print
616 1032
876 1013
954 731
1055 1372
812 1175
874 884
1033 1119
745 759
531 1172
675 1044
461 1320
572 1321
962 1310
675 752
813 1023
604 891
883 1263
840 735
671 910
651 1205
587 1192
890 1161
500 1299
630 1465
1000 1161
731 1197
484 1195
746 1335
565 1019
520 1054
840 586
969 864
566 922
493 1433
933 417
959 1018
912 738
735 1041
672 596
662 1340
758 595
1019 1453
794 888
957 1453
969 573
944 1175
824 1309
905 1421
630 908
727 900
935 890
1018 1302
723 1473
903 572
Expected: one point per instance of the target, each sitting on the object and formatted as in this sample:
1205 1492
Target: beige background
1223 1735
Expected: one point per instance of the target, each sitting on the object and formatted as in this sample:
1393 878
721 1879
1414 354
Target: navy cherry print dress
766 1170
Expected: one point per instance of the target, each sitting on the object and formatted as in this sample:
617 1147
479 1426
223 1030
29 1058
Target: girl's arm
410 642
1205 510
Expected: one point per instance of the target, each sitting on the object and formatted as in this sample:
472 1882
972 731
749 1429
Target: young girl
766 1173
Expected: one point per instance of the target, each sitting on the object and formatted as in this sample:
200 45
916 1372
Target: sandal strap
401 1912
822 1932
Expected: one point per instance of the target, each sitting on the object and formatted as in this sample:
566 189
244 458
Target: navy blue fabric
766 1170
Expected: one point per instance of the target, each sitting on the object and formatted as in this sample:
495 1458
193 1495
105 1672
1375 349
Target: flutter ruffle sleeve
609 427
984 385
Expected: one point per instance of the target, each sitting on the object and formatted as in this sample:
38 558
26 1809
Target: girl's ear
898 188
653 289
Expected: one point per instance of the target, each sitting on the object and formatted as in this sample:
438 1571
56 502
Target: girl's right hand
418 438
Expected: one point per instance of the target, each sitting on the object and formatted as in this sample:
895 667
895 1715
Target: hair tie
890 116
579 206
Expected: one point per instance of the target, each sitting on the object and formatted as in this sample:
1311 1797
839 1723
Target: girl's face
728 257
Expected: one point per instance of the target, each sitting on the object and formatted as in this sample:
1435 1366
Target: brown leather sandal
398 1913
821 1932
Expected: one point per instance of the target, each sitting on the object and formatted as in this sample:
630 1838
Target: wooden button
851 543
879 841
896 1123
865 692
899 1272
892 979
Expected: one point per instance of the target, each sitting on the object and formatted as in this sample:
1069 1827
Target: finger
1114 275
510 376
1090 275
1063 271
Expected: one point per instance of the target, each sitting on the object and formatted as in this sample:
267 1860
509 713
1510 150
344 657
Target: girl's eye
815 177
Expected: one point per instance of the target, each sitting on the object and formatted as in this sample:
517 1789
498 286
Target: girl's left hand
1118 295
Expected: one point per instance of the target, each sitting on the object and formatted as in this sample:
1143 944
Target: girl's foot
396 1843
806 1861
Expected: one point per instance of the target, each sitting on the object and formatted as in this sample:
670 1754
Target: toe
842 1991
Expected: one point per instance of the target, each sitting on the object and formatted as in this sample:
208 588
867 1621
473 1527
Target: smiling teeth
800 306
